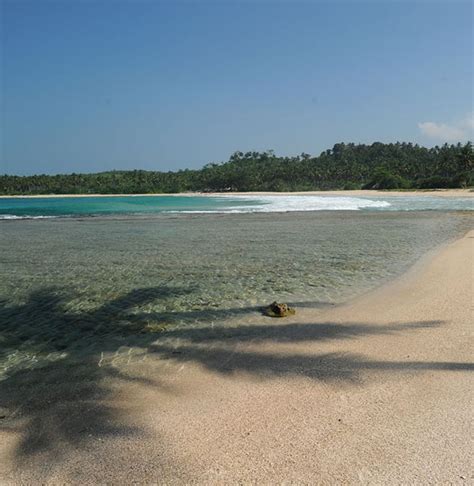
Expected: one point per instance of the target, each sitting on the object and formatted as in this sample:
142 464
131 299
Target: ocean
54 207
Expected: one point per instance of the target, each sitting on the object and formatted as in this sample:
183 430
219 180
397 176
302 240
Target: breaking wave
283 204
14 217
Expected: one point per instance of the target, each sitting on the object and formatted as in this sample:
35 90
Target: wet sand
377 391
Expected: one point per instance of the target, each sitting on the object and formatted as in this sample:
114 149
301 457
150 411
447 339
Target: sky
96 85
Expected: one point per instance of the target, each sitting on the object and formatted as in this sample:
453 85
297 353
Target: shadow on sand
54 395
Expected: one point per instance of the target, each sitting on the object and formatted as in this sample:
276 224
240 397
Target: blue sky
98 85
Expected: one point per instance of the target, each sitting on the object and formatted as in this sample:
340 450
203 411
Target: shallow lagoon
99 284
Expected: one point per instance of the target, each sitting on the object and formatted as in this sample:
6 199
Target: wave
26 216
283 204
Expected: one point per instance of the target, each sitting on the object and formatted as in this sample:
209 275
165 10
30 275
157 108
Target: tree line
345 166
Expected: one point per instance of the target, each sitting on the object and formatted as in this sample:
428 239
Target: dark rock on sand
278 310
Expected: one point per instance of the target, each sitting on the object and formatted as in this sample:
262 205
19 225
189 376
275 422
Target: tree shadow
52 390
293 332
56 395
328 367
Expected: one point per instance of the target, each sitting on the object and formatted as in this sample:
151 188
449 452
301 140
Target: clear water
27 208
94 286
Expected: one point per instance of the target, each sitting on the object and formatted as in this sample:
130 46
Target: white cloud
470 122
456 132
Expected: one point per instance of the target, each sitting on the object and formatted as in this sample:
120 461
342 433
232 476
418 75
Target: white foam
279 204
14 216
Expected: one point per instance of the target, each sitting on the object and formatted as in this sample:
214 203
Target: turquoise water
27 208
116 205
93 287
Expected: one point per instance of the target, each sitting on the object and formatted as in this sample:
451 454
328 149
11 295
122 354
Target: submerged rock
278 310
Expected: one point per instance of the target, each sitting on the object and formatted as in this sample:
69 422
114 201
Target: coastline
375 391
353 193
363 192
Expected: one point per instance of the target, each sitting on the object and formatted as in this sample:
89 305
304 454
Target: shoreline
377 390
351 193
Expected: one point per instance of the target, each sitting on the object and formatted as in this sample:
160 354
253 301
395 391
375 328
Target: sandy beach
438 192
365 193
236 243
376 391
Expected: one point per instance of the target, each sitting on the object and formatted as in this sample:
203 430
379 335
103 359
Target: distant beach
367 193
438 192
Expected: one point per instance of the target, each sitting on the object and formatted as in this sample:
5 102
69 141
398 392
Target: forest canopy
345 166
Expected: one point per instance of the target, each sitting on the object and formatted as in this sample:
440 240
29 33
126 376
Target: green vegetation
346 166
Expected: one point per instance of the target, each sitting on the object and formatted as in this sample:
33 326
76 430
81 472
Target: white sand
437 192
